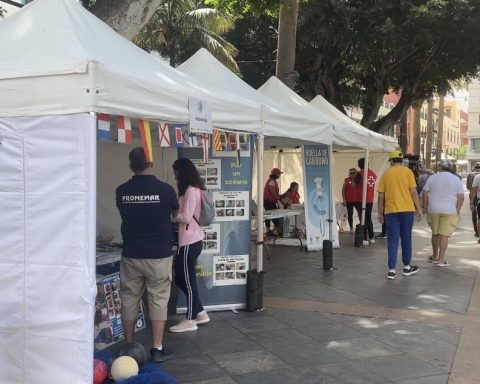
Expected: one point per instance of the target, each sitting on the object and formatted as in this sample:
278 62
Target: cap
477 164
447 164
276 171
396 154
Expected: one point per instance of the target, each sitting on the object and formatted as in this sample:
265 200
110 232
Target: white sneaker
365 242
184 326
202 317
371 241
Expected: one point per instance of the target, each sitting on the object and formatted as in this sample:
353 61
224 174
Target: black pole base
327 255
254 290
359 233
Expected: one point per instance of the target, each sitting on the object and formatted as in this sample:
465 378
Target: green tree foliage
354 52
180 27
2 12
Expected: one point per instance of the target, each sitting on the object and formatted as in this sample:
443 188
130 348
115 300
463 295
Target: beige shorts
136 275
442 223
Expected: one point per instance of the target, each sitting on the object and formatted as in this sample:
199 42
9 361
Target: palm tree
177 24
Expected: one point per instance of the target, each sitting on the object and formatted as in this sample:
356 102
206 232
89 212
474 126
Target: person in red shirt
369 236
291 195
349 194
271 196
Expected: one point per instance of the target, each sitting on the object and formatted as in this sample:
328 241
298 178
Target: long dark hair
187 175
292 185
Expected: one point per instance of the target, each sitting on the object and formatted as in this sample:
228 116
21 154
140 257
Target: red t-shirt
294 197
371 180
349 190
267 195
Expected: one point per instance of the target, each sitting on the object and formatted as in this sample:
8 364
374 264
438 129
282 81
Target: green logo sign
200 107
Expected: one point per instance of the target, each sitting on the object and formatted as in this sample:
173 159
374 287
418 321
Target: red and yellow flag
217 143
144 128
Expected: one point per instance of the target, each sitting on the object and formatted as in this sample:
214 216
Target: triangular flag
103 121
253 139
186 137
238 149
193 140
229 143
164 135
178 136
124 130
144 128
217 142
205 147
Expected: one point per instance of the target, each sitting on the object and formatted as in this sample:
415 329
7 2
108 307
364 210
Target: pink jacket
189 231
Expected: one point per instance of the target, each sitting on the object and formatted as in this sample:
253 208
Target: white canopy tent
59 65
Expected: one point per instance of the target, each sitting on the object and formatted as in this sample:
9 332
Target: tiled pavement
350 325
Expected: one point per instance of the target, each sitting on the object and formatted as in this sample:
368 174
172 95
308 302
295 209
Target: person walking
442 200
475 200
349 194
470 177
271 195
190 238
146 206
398 199
369 235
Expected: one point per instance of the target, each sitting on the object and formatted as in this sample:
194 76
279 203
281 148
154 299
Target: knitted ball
123 367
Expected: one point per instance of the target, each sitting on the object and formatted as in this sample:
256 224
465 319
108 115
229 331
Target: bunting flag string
103 122
238 149
144 128
124 130
217 142
164 135
205 147
193 140
178 136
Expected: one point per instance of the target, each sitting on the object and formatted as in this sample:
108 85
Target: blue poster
317 196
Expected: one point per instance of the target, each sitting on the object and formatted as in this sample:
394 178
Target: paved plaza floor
349 325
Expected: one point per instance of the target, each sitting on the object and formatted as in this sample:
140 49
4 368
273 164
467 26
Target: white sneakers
190 325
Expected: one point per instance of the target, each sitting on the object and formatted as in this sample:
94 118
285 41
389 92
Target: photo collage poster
108 320
210 171
231 205
230 270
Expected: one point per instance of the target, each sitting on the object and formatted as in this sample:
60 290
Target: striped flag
144 128
186 137
238 149
103 121
164 135
193 140
205 147
124 130
217 143
178 136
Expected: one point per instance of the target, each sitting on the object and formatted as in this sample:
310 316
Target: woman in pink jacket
190 236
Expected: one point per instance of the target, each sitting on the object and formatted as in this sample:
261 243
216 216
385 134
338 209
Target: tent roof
376 140
281 123
58 58
346 132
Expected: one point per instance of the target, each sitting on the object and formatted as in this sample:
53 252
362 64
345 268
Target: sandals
444 264
431 259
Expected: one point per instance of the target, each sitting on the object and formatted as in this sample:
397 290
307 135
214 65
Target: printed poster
108 320
317 200
231 205
210 171
211 242
230 270
200 115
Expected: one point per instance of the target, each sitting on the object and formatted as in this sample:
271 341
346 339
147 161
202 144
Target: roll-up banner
316 178
223 264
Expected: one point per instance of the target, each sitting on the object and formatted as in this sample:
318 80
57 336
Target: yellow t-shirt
395 184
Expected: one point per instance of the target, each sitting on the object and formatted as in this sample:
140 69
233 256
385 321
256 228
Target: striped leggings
186 277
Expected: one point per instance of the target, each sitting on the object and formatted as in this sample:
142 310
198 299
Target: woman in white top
190 236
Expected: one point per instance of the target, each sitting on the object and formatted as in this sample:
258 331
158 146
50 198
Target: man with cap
470 177
271 195
442 200
398 199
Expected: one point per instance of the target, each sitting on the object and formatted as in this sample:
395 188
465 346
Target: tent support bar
331 207
260 145
364 186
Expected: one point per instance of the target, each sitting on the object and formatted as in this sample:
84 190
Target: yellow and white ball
123 368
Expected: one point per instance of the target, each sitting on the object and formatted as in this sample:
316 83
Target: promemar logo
141 199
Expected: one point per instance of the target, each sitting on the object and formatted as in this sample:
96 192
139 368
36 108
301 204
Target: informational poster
211 242
230 270
108 319
230 143
200 115
317 200
210 171
231 205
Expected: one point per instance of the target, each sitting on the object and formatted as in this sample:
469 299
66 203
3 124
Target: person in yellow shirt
398 199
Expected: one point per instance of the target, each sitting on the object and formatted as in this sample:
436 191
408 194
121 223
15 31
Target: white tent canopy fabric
281 125
344 127
346 132
58 58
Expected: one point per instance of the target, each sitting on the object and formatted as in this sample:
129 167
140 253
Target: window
475 145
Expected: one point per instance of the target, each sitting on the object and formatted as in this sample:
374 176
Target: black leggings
268 205
369 234
186 277
350 207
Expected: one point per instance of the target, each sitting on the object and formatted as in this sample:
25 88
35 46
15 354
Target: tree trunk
441 113
428 149
287 41
417 108
127 17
